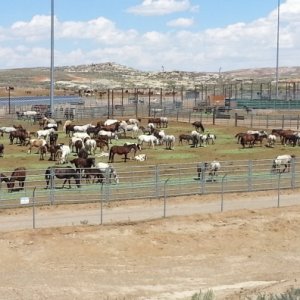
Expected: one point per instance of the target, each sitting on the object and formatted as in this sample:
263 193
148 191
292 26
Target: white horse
211 137
111 135
90 146
133 128
133 121
44 133
150 139
64 152
7 130
110 122
108 171
169 140
197 138
271 140
282 160
212 168
82 128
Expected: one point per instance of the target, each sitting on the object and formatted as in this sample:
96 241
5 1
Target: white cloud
239 45
181 22
160 7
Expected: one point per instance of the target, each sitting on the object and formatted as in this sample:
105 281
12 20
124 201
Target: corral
232 252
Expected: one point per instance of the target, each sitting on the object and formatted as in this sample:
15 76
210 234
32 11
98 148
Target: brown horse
123 150
83 163
19 174
248 139
156 121
198 125
185 137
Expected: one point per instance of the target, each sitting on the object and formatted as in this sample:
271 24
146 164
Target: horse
282 160
164 121
1 150
112 127
65 173
239 136
169 140
248 139
44 133
271 140
150 139
18 174
90 145
64 152
185 137
123 150
134 121
19 134
110 122
83 163
67 122
111 135
101 143
198 125
35 143
108 171
155 121
82 128
211 137
213 167
197 139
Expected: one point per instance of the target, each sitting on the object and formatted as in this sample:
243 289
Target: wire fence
153 182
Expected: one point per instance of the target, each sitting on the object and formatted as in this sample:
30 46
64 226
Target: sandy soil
235 253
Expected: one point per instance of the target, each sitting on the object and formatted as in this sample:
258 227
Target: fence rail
154 182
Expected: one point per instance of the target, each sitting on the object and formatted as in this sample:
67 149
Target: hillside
112 75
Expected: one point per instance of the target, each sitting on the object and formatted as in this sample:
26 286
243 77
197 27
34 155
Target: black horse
65 173
123 150
83 163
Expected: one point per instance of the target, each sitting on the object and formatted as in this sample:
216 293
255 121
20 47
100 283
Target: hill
112 75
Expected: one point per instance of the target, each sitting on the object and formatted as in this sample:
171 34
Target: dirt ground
236 254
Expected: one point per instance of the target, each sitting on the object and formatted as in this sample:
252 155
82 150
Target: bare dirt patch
235 253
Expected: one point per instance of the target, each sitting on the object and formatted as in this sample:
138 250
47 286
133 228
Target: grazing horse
170 141
18 174
108 171
282 160
150 139
66 173
185 137
248 139
198 125
213 167
123 150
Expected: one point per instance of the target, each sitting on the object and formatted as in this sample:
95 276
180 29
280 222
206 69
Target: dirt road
236 253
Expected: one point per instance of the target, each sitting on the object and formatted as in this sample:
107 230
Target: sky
151 35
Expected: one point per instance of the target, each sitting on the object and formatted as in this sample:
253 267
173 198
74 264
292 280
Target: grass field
224 149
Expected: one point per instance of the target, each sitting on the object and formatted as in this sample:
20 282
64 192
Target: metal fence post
293 172
222 193
33 208
157 181
278 190
101 204
250 174
52 186
165 196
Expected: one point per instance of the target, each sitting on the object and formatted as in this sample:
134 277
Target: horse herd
84 140
283 136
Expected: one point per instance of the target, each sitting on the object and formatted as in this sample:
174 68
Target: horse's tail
242 141
110 155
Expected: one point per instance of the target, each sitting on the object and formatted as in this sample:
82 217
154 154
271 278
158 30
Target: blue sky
188 35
